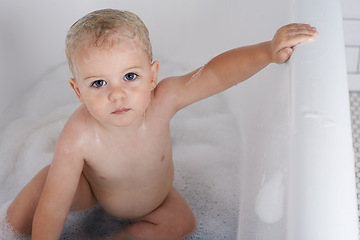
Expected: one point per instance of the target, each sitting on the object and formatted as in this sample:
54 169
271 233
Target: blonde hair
98 28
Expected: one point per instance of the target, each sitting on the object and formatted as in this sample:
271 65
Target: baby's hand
288 37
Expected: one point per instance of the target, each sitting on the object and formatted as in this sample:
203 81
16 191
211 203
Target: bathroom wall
351 20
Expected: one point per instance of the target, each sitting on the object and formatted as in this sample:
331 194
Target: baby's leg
172 220
21 211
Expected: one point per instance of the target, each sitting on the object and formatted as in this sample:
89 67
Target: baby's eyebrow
133 67
126 70
92 77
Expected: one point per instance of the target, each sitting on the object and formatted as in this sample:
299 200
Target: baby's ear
154 74
74 86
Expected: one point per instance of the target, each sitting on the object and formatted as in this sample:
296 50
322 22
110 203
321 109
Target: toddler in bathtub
115 149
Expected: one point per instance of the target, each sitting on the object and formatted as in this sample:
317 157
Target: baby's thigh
84 198
173 213
22 209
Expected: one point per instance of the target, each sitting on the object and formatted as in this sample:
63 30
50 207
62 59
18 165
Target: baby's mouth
121 111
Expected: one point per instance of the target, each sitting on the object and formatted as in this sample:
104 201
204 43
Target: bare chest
131 160
131 178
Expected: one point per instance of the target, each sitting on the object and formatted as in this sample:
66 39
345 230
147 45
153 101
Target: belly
131 194
133 204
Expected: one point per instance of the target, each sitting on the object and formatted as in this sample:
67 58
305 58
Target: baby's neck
137 125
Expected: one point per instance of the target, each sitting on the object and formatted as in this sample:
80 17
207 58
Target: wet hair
103 28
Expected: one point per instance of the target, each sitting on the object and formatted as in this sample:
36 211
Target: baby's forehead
91 53
117 40
122 43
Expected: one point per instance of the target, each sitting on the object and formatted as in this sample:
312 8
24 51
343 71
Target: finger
297 29
298 26
296 39
295 34
301 32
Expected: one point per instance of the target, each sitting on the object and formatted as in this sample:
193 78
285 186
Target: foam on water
206 152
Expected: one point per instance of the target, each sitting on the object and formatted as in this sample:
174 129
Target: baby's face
115 83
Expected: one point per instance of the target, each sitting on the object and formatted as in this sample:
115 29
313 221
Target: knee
187 226
190 226
180 226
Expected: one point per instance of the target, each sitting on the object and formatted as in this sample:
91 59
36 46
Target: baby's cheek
94 111
144 98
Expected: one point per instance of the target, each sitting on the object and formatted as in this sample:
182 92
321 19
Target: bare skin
115 149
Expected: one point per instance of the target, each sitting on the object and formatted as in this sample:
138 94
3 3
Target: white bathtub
296 178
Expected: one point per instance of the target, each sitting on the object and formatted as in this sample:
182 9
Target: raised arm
237 65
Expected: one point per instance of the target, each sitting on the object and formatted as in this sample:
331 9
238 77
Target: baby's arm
235 66
60 187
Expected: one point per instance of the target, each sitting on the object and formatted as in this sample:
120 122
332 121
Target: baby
115 150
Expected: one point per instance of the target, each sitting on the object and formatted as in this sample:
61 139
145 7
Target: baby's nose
117 93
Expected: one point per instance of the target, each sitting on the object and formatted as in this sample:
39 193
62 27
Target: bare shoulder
75 131
165 88
170 85
175 90
167 92
163 96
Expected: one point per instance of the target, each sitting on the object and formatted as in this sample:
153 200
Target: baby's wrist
269 52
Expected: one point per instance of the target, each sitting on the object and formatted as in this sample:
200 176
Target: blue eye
98 83
130 76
